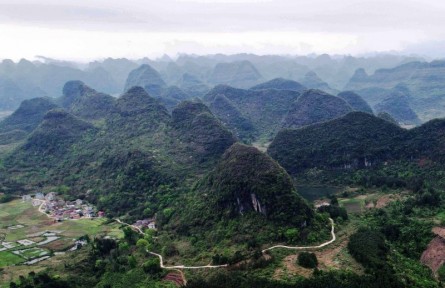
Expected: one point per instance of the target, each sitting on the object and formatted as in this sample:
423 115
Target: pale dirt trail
216 266
307 247
225 265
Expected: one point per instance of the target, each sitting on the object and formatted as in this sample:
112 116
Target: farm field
27 234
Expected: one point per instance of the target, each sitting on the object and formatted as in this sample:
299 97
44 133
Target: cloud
127 28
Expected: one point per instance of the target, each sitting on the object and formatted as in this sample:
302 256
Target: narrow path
42 202
162 259
225 265
307 247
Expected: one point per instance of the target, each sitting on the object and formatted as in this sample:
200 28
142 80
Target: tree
152 266
132 261
307 260
142 243
292 234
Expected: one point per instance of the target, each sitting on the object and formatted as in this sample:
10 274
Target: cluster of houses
146 223
60 209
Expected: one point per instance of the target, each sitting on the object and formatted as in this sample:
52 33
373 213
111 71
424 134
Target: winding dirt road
161 259
307 247
225 265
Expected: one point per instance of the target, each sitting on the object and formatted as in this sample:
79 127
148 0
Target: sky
84 30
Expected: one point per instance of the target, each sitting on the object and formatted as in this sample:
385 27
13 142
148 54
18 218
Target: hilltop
28 116
50 141
264 109
241 74
397 105
232 118
312 81
85 102
280 84
247 180
146 77
195 125
315 106
250 191
355 101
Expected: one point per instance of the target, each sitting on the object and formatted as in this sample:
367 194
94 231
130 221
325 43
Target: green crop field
7 259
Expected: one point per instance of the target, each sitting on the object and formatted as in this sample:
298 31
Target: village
60 210
27 237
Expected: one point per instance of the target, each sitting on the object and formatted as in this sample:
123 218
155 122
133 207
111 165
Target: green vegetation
6 198
334 210
368 247
349 141
247 180
314 106
422 79
396 104
441 273
121 174
39 280
8 259
355 101
220 202
307 260
250 114
280 84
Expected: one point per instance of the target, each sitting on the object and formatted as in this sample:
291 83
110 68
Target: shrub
307 260
369 248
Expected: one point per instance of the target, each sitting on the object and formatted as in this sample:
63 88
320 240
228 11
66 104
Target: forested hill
124 158
315 106
337 143
247 180
250 192
354 141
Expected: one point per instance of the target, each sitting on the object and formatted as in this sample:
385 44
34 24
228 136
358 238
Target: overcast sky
91 29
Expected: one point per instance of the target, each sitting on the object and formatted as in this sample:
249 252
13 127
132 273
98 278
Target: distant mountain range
194 75
422 82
